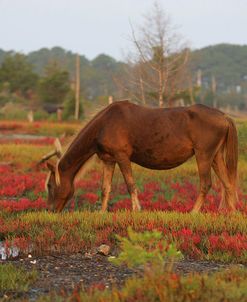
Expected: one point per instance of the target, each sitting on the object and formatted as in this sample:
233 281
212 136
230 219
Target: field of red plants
21 191
166 198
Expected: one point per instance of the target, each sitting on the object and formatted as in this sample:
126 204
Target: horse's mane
90 119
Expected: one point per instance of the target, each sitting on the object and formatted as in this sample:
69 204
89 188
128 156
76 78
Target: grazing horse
155 138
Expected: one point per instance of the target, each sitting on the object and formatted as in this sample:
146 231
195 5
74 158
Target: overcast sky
91 27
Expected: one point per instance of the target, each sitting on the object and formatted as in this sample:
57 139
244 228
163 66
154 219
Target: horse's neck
80 150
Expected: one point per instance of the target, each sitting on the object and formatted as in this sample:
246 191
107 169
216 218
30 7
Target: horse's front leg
108 170
125 167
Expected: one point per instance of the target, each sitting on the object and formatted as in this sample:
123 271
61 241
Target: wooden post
77 88
110 99
59 114
30 116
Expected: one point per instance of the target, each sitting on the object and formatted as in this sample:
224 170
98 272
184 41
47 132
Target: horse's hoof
137 209
195 211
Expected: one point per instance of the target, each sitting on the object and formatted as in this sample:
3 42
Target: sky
92 27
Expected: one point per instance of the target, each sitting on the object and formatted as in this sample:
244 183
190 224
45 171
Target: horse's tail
231 157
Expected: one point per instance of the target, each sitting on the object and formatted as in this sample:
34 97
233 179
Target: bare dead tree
157 68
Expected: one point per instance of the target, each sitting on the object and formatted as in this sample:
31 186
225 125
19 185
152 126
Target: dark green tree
55 85
18 74
69 107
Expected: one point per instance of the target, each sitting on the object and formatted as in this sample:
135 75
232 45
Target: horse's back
139 121
160 138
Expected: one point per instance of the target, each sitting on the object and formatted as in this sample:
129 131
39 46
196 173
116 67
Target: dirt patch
65 272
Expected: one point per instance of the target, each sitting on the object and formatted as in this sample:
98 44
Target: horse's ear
50 166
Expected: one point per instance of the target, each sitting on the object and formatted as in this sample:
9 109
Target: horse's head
58 194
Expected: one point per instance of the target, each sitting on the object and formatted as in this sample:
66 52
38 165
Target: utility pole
77 88
214 86
199 85
199 78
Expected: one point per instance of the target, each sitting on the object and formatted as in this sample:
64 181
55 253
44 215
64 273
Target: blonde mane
57 175
46 181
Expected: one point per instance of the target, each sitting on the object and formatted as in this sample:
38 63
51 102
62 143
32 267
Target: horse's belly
155 159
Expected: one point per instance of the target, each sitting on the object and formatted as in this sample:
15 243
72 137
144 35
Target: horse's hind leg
108 170
204 163
228 192
125 167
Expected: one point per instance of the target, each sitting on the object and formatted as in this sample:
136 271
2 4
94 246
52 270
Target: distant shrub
13 111
40 115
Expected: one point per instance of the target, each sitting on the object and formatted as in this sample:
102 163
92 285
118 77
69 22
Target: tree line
161 71
48 77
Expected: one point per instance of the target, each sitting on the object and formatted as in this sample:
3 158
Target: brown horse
153 138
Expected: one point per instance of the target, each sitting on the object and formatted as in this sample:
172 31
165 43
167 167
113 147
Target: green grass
15 279
93 221
22 154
